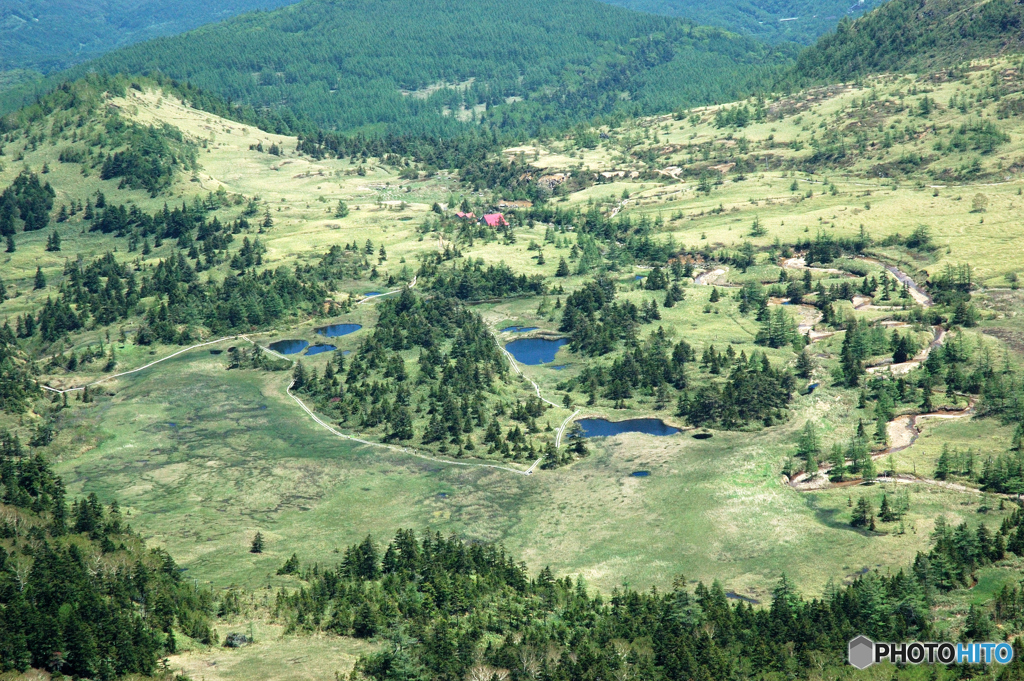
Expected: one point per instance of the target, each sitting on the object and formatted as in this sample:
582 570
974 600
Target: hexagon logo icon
862 652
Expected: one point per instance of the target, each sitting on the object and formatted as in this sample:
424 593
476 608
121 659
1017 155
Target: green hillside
434 66
771 21
913 35
48 35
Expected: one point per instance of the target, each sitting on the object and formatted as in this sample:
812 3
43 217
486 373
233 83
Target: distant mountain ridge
524 65
48 35
913 35
772 21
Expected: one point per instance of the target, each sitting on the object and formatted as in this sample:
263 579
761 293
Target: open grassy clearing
201 458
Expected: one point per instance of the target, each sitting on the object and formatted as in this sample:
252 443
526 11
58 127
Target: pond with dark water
606 428
534 351
336 330
318 348
288 347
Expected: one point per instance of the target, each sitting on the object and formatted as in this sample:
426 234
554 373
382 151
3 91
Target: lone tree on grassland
257 544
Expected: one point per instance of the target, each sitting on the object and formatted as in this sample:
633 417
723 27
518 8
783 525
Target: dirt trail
919 358
800 263
708 278
902 433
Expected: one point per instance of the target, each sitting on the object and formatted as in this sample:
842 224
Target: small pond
703 436
336 330
518 329
318 348
288 347
640 474
559 367
604 427
216 352
535 351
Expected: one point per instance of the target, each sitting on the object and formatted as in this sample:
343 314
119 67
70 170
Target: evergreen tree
804 364
40 280
563 268
257 545
341 210
862 513
885 511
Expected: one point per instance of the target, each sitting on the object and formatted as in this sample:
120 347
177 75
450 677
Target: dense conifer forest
908 35
566 61
49 35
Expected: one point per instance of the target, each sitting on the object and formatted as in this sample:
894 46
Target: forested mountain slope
772 21
913 35
362 63
45 35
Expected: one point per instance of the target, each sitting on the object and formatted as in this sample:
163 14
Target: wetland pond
606 428
337 330
534 351
288 347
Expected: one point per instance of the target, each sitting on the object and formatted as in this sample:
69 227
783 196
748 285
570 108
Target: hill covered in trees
772 21
434 67
913 35
47 35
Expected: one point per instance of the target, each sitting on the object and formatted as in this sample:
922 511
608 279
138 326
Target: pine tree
804 364
10 243
862 513
715 297
943 466
268 221
562 271
838 461
257 544
53 242
40 282
885 512
341 210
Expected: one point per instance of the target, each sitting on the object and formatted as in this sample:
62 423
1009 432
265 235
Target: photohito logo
863 652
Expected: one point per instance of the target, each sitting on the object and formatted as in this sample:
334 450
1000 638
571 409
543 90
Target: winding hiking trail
902 433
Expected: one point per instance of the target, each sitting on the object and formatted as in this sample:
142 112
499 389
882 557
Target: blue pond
640 276
336 330
640 474
535 351
518 329
288 347
559 367
604 427
371 294
317 349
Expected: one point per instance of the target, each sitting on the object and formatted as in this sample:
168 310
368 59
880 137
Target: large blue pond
534 351
289 347
605 428
336 330
318 348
